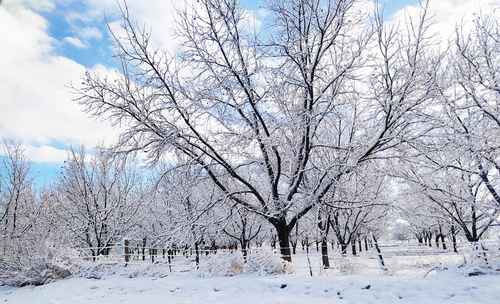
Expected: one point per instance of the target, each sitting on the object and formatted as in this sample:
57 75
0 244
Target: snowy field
351 280
446 287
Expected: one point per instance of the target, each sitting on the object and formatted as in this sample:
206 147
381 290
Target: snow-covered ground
351 280
446 287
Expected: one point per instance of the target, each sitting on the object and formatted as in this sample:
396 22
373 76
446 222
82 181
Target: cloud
90 33
447 14
157 15
41 154
74 41
46 154
36 103
38 5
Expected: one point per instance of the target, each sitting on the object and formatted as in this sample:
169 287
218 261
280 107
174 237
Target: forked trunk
343 248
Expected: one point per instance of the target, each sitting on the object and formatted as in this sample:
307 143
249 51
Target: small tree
243 227
98 199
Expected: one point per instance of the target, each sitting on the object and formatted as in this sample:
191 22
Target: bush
264 261
36 275
345 265
44 265
222 264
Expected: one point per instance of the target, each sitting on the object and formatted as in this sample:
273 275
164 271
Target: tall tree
256 108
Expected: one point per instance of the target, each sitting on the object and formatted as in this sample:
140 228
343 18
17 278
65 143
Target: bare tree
25 217
454 196
98 200
244 227
239 104
15 190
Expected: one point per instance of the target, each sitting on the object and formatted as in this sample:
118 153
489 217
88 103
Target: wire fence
398 257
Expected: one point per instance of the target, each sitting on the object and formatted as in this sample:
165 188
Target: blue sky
99 53
68 36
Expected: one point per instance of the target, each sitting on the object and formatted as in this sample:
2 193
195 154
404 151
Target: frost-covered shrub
36 275
151 270
477 256
222 264
264 261
97 271
46 264
345 265
479 260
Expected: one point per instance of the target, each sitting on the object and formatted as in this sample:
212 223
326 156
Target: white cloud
36 104
157 15
72 17
90 33
39 5
46 154
447 14
42 154
74 41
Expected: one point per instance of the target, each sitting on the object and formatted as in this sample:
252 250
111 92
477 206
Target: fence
398 257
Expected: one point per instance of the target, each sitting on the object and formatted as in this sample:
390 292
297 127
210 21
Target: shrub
264 261
222 264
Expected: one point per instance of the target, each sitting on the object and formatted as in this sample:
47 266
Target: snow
409 283
189 288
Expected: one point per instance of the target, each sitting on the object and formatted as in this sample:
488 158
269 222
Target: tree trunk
360 246
144 240
379 253
443 243
169 258
324 253
273 241
453 238
244 249
343 248
126 251
366 244
284 241
152 254
353 247
197 253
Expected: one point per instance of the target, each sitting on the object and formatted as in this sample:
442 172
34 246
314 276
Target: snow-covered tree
257 112
98 200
